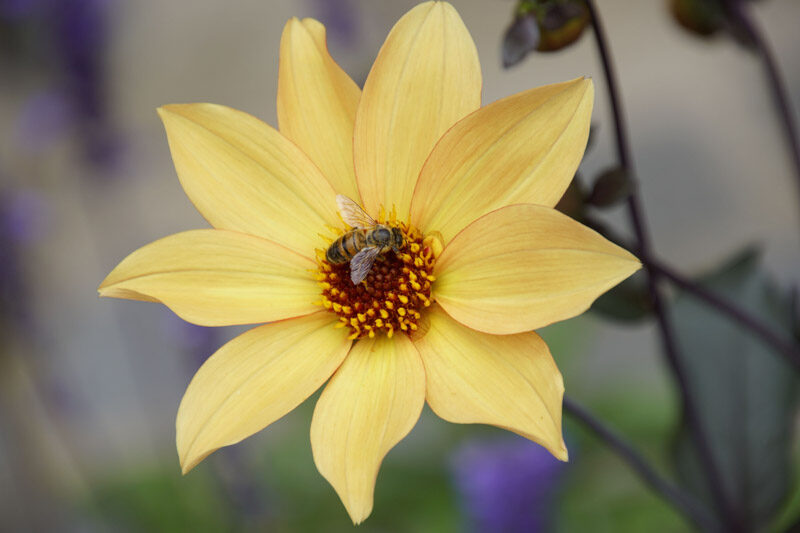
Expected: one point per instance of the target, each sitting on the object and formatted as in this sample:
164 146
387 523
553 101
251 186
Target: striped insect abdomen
345 247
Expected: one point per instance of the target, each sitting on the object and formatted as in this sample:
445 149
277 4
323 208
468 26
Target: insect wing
352 213
361 263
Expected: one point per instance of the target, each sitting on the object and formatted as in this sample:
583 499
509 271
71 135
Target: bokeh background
89 388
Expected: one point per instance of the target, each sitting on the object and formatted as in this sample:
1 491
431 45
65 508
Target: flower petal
370 404
317 103
510 381
254 380
521 149
525 266
243 175
425 78
217 278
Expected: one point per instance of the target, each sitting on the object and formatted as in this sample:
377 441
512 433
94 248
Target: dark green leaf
573 201
746 394
701 17
612 186
628 302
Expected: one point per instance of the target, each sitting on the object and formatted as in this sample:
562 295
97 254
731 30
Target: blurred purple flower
340 17
197 342
21 221
45 118
69 39
81 34
507 485
16 9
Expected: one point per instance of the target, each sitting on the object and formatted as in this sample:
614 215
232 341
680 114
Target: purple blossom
67 41
21 221
507 485
45 118
17 9
340 17
197 342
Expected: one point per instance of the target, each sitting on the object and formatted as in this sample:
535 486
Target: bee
364 243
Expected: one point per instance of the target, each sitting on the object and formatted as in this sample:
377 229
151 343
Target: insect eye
382 234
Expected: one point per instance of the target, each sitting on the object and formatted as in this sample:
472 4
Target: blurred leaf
612 186
746 395
603 495
701 17
157 500
594 128
628 302
572 202
707 17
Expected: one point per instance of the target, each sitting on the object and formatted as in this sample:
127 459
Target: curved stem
790 350
707 459
767 334
740 11
684 503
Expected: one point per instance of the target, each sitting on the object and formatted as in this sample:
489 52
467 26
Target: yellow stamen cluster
392 295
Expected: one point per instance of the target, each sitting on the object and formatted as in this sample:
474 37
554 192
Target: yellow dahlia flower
447 318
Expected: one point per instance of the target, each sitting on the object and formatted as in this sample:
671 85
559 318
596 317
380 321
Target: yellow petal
425 78
254 380
370 404
521 149
525 266
217 278
510 381
243 175
317 103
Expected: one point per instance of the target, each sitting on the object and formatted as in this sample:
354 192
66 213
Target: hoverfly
365 242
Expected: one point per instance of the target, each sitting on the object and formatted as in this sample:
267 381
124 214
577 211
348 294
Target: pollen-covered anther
389 300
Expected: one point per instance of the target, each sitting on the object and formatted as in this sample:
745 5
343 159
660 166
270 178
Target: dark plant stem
790 350
684 503
690 409
740 12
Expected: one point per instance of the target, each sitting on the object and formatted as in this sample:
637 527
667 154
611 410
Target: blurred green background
89 389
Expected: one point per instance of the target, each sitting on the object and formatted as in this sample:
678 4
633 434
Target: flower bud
543 25
701 17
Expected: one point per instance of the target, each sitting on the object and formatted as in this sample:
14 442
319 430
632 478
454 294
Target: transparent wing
361 263
352 213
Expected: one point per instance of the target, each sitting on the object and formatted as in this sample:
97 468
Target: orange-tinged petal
217 278
521 149
254 380
510 381
425 78
243 175
317 103
525 266
370 404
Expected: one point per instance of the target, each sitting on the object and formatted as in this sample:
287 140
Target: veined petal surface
510 381
254 380
370 404
317 103
243 175
217 278
525 266
426 77
521 149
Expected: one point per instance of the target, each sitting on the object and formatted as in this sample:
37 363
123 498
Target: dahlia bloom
447 319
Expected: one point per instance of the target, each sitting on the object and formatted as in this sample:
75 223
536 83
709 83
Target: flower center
391 296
